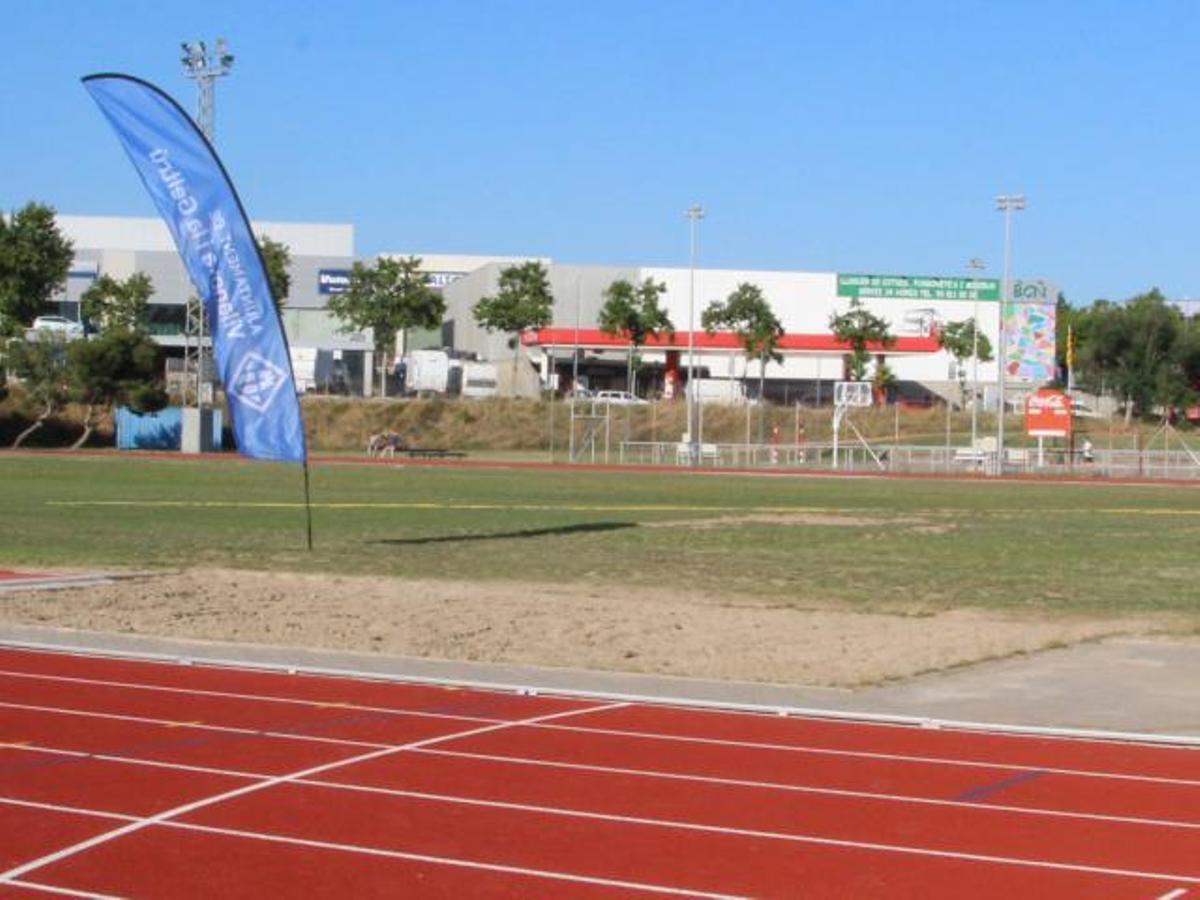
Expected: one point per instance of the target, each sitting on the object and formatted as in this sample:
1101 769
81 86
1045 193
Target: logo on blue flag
197 200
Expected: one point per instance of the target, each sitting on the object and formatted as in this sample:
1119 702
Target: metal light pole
1007 204
203 68
694 214
977 265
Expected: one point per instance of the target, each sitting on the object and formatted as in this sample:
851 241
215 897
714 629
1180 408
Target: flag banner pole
307 506
202 210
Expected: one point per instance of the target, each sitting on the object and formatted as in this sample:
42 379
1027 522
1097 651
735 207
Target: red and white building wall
803 301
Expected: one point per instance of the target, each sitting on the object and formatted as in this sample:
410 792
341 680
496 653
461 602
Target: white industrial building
914 306
323 253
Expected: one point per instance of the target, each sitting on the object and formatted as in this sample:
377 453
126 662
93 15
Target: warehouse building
322 255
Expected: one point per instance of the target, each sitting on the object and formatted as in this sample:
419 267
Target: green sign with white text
918 287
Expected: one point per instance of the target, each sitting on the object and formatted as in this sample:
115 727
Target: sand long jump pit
594 627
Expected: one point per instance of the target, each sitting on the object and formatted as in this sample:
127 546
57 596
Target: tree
387 297
278 260
858 327
883 383
1133 345
34 261
523 301
120 366
747 313
42 367
634 313
959 340
110 303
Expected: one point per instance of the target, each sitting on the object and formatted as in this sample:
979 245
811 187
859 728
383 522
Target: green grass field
904 545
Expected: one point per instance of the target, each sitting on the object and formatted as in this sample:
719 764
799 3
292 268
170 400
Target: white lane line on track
1173 895
876 720
649 774
372 851
864 754
643 887
62 808
722 742
923 852
65 892
166 723
186 808
258 698
807 789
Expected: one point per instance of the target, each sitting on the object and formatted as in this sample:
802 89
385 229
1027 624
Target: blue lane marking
986 790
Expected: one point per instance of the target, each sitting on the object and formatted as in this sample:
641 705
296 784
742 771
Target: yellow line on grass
606 507
541 507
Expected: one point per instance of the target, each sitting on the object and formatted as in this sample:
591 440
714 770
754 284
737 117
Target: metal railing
916 458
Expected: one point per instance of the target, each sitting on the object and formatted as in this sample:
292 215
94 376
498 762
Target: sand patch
616 629
911 523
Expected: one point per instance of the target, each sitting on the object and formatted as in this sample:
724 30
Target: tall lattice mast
204 68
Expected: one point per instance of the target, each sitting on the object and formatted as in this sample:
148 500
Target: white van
721 390
478 379
620 398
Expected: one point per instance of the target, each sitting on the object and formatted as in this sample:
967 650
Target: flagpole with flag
202 210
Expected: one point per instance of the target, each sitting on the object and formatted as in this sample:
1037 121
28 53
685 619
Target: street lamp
694 214
975 264
1007 204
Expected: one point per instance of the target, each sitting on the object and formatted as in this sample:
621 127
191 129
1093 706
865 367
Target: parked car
61 324
620 398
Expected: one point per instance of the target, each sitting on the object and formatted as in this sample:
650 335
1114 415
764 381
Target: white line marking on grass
272 782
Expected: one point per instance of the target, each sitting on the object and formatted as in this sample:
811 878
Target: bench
433 453
707 453
978 453
969 455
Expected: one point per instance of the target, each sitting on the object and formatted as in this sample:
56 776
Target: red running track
137 778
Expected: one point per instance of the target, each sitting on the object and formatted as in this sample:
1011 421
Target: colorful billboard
1029 326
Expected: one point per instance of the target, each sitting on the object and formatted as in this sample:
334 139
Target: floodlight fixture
205 68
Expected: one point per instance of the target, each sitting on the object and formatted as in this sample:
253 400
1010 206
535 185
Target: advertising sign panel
1048 414
1029 326
918 287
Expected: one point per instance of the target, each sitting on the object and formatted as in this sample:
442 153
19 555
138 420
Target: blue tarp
162 430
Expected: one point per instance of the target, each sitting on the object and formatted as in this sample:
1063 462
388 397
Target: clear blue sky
848 136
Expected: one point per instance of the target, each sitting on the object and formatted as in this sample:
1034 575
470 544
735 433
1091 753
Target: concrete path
1123 685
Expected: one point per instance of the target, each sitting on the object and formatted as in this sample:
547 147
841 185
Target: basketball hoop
852 393
846 395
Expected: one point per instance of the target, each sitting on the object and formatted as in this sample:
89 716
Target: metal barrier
917 458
